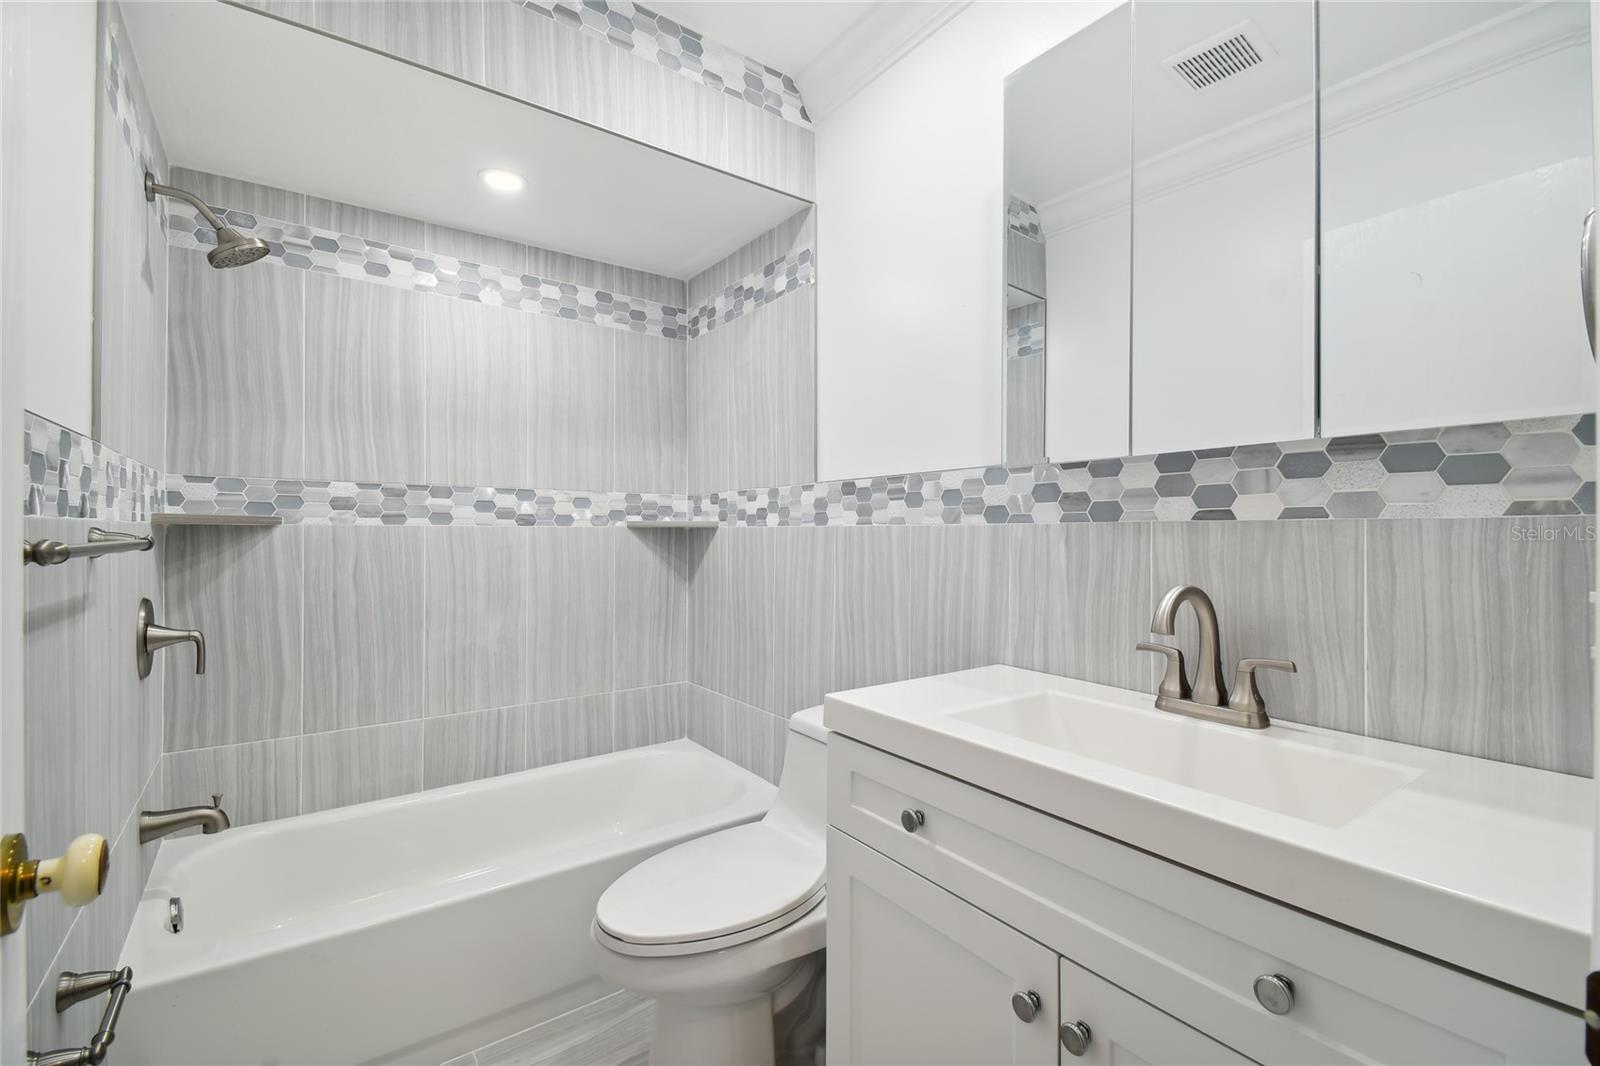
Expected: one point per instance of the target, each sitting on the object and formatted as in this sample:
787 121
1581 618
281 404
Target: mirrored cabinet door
1068 148
1224 224
1457 164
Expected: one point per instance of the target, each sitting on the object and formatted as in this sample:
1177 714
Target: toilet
726 931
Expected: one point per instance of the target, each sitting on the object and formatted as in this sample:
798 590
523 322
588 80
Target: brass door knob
78 875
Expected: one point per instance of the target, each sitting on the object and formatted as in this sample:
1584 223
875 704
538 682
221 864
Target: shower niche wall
457 398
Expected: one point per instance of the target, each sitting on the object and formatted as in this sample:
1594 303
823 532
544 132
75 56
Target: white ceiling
787 35
329 119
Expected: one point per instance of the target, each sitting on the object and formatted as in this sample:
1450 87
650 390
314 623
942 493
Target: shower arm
152 189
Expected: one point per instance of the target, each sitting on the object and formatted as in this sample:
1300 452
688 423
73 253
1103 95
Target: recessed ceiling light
502 180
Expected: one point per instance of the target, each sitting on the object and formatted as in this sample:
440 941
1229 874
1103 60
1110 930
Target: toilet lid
714 886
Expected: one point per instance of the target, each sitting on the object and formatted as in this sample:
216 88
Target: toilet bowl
727 930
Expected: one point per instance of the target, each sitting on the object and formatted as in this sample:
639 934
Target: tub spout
153 825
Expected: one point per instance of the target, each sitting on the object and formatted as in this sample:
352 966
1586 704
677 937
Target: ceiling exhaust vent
1216 59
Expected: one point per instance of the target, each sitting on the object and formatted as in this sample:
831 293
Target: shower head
233 248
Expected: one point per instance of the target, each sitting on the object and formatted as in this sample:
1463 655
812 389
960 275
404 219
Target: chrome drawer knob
1275 992
912 820
1026 1005
1075 1037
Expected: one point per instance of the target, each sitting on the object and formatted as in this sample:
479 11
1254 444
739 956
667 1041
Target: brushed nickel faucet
153 825
1206 698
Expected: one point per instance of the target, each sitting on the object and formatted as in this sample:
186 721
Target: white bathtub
411 929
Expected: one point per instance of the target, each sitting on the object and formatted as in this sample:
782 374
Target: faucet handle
1173 684
1246 696
216 800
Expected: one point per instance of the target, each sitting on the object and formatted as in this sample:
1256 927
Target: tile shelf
179 518
672 523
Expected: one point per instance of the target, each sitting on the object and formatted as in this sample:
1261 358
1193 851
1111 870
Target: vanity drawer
1188 943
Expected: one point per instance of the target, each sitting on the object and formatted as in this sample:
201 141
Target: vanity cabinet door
1122 1028
919 976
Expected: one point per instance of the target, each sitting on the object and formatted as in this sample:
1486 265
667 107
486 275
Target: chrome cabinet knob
1275 992
912 820
1026 1005
1075 1037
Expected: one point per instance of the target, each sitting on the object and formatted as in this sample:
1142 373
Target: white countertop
1481 864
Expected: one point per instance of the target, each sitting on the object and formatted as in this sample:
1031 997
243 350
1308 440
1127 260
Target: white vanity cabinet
932 977
936 921
934 980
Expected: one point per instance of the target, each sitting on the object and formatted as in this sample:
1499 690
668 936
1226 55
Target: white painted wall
910 231
51 229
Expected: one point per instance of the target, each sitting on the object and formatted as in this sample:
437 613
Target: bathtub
411 929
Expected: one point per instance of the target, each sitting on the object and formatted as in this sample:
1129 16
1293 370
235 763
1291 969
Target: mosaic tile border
302 500
788 273
303 247
1535 467
654 37
1023 218
71 475
321 251
1024 340
125 95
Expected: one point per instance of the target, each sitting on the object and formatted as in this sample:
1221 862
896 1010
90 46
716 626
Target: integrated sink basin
1408 844
1317 785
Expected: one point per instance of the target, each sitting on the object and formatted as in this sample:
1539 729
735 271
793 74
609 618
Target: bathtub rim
144 947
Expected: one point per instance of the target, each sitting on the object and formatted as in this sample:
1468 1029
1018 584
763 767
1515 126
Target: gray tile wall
284 373
92 728
354 663
751 387
1469 635
528 55
93 737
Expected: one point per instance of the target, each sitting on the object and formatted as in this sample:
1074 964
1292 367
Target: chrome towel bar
101 542
75 988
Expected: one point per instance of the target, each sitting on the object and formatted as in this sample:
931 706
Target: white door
1592 993
13 953
1102 1024
917 975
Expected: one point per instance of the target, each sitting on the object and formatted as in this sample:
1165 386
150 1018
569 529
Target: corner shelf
179 518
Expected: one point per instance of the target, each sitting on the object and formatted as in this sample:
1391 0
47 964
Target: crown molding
882 37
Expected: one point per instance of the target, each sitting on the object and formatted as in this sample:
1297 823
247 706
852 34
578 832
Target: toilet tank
802 803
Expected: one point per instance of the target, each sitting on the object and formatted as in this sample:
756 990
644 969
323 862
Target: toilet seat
713 892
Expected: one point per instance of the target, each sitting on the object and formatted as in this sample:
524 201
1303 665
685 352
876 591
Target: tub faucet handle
216 800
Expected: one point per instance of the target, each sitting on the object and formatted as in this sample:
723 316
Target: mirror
1224 224
1171 153
1457 168
467 290
1068 149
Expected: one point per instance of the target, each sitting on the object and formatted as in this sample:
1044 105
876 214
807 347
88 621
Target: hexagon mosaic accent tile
70 475
788 273
303 247
373 503
297 245
1337 478
1534 467
1022 217
649 35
